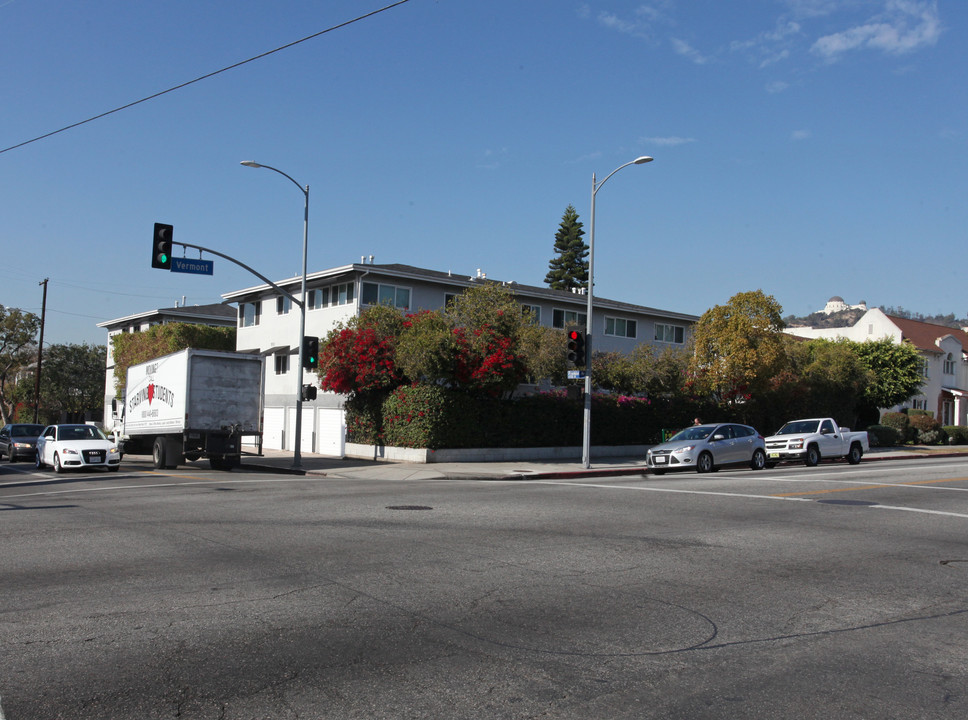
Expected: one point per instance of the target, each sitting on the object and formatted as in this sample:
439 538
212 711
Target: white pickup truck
813 440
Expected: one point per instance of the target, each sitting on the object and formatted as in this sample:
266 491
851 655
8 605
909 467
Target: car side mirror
718 437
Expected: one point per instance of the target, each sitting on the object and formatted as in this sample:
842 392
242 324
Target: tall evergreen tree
569 269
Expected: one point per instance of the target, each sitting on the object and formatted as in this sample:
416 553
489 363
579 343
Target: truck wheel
158 453
705 463
812 457
218 462
855 454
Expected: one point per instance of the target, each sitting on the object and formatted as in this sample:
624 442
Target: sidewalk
325 466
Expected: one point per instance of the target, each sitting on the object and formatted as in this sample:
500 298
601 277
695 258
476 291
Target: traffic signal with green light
310 353
576 348
161 246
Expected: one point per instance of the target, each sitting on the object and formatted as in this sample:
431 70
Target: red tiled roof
924 335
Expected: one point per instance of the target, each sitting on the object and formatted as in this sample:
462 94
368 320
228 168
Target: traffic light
161 246
310 353
576 348
308 392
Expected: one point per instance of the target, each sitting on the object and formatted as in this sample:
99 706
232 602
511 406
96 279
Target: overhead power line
205 77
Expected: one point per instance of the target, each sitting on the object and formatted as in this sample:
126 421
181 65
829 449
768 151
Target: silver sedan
706 448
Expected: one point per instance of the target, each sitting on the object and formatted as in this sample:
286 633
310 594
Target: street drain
409 507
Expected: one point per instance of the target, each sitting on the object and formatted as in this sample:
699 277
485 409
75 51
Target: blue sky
807 148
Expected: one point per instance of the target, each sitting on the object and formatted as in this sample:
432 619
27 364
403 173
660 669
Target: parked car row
62 446
706 448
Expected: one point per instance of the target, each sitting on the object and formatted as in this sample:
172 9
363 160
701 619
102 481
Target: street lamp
586 448
296 454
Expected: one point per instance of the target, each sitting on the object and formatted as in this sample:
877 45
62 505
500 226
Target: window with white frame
563 318
670 333
534 311
282 363
342 294
318 298
925 368
949 365
383 294
250 313
283 305
919 403
620 327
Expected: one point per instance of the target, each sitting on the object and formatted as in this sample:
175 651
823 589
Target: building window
282 363
924 368
342 294
670 333
283 305
534 311
380 294
318 298
920 403
949 365
620 327
249 313
563 318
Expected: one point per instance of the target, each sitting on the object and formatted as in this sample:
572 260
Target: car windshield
80 432
26 430
699 432
798 428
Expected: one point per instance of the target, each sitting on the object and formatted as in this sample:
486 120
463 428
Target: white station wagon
76 446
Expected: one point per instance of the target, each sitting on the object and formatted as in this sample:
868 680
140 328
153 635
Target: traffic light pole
301 304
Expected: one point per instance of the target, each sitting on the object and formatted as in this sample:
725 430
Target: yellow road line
870 487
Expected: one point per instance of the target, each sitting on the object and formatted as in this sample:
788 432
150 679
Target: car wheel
812 457
658 472
114 468
38 462
57 464
855 454
11 457
759 460
770 465
704 463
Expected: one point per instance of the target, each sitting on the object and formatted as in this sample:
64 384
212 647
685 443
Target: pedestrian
696 421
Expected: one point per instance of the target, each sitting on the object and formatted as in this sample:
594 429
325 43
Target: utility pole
40 350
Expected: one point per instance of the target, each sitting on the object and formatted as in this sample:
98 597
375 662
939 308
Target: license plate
774 454
96 457
660 459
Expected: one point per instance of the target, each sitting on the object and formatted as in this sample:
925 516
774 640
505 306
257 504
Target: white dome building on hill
836 304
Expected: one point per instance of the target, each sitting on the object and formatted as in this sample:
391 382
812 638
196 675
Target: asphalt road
829 592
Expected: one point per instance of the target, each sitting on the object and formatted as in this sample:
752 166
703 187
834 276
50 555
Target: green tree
896 371
739 347
129 349
72 380
647 370
569 268
18 330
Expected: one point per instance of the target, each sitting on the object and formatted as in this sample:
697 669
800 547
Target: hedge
422 416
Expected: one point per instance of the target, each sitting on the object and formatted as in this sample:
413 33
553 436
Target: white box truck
192 404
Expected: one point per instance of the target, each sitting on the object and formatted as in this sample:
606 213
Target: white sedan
76 446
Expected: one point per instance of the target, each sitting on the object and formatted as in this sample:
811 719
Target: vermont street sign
195 267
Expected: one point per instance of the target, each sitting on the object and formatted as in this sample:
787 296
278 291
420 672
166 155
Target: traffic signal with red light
576 348
161 246
310 353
